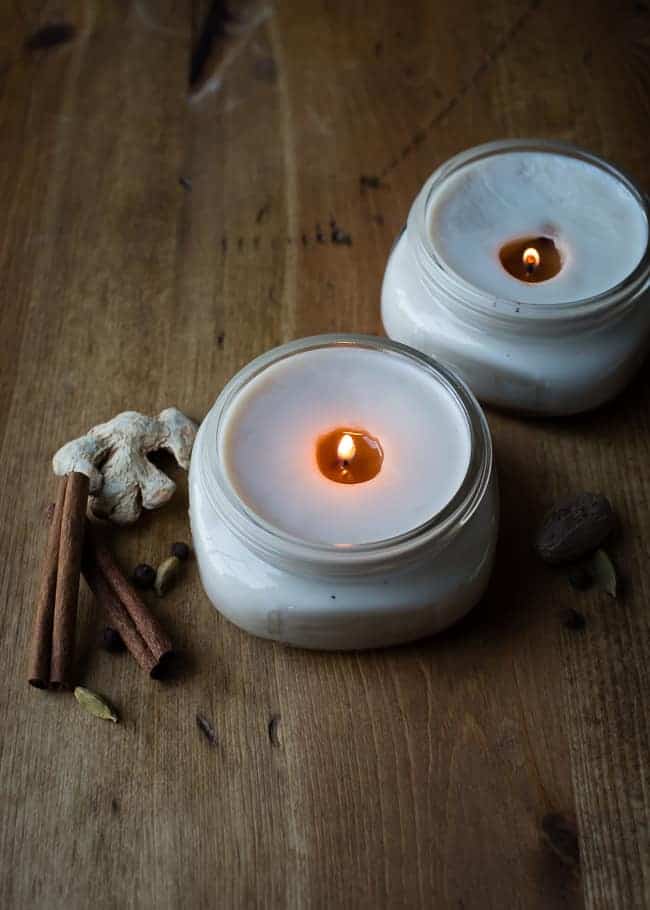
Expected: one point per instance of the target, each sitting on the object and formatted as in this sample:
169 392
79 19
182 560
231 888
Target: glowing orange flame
531 257
346 448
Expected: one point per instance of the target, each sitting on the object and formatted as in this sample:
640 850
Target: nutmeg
575 527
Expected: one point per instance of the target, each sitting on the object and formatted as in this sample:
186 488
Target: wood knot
50 36
274 731
560 833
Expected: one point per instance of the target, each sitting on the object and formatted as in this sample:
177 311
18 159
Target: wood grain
150 246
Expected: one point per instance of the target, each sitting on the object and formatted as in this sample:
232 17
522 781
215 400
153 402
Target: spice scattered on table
180 550
71 542
110 465
114 457
572 532
112 641
94 704
144 575
597 571
166 575
51 663
142 633
575 527
206 729
41 644
604 573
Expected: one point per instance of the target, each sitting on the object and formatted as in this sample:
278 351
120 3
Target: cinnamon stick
117 615
154 636
41 645
71 538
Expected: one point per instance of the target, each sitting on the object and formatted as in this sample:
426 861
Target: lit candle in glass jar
344 445
581 228
525 265
342 495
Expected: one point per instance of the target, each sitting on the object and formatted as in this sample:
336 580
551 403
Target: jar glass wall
323 596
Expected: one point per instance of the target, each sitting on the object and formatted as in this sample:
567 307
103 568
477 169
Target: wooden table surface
150 246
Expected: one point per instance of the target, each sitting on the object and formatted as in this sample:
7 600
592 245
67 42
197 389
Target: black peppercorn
180 550
144 575
112 640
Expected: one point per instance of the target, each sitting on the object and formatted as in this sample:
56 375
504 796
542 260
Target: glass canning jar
553 358
324 596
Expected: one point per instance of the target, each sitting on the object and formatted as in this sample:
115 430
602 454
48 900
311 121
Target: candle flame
531 257
346 449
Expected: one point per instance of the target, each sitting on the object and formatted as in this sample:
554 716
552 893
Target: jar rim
276 545
468 295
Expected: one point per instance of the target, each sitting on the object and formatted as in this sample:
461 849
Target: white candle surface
594 220
269 441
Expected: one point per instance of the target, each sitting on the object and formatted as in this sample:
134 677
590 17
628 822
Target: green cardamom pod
604 573
166 575
94 704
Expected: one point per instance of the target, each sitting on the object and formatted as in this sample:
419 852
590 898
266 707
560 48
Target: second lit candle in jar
345 446
537 227
525 266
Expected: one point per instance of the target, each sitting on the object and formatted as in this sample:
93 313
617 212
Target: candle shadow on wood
178 667
627 411
528 488
630 404
519 578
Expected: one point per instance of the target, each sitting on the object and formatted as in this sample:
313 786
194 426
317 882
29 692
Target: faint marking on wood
50 36
561 835
148 20
262 212
491 57
274 731
225 32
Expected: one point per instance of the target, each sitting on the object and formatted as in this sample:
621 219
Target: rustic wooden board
450 773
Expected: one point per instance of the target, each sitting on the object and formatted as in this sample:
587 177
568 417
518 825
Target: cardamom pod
94 704
166 575
604 573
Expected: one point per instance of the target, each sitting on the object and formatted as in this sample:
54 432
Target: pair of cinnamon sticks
52 652
75 545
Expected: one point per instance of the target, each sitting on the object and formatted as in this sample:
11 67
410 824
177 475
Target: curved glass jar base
330 612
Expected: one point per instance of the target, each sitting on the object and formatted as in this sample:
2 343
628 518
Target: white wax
594 220
268 444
